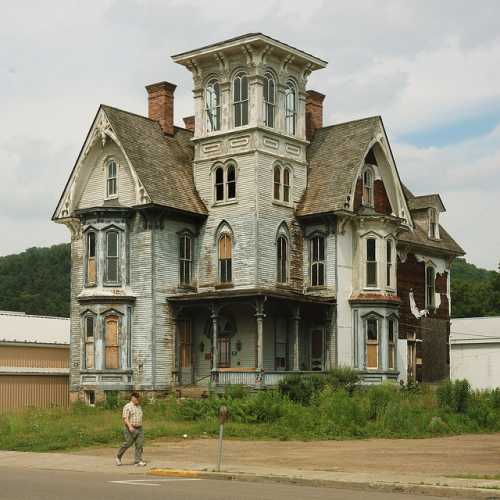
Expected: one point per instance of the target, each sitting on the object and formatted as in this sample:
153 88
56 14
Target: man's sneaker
118 461
142 463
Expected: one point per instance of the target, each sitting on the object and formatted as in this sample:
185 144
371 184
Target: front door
185 339
317 349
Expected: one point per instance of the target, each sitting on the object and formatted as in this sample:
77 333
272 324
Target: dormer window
367 187
212 105
240 99
111 179
433 224
269 99
290 108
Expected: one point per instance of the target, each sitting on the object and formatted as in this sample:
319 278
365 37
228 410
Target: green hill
37 281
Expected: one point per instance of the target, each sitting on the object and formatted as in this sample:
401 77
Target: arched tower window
212 105
286 184
269 99
240 99
219 184
231 182
290 108
225 182
282 259
225 250
317 260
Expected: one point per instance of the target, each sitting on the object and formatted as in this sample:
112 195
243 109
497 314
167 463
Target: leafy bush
379 397
454 396
302 389
343 378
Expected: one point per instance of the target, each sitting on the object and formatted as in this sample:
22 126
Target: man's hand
131 428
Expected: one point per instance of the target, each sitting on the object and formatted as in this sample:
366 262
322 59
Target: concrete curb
423 489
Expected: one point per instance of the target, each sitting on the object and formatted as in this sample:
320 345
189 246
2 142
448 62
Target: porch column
296 339
331 338
259 315
214 315
175 311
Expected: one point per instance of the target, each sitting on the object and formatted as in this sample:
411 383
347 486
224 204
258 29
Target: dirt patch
450 456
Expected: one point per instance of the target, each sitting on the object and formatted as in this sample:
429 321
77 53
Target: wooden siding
38 391
34 357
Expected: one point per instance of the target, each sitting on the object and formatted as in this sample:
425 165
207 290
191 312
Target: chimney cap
155 87
315 95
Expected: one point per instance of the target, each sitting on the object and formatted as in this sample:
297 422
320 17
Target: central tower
250 153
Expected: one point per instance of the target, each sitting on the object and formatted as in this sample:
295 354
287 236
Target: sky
430 68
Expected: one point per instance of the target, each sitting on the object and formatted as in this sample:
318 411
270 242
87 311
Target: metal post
222 419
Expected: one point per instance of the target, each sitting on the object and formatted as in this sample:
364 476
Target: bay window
371 262
372 343
111 342
112 257
91 259
89 330
317 260
391 325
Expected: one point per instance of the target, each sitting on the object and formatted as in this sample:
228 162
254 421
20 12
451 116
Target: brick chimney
189 123
314 112
161 105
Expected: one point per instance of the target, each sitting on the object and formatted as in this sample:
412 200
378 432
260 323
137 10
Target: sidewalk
428 466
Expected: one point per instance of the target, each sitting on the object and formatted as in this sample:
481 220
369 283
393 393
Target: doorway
317 349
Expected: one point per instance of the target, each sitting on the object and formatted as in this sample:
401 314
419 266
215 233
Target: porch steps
191 392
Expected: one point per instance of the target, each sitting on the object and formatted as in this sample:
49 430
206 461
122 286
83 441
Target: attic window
367 187
111 179
433 224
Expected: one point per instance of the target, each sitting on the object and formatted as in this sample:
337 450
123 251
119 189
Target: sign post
223 414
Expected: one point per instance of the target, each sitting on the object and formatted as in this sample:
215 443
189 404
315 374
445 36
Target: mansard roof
163 163
334 157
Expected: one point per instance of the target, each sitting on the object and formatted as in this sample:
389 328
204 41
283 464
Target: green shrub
343 378
235 391
302 389
379 396
112 401
454 396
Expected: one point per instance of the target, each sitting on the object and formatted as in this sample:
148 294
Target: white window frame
269 99
111 180
291 108
367 262
185 261
390 277
225 182
367 170
212 106
376 319
241 103
395 330
319 263
282 263
107 256
86 342
280 185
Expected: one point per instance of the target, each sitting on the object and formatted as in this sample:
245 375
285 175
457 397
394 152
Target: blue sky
431 69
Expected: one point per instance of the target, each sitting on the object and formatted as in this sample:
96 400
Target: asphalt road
34 484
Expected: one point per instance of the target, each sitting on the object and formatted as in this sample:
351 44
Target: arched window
231 182
111 342
269 99
433 224
286 184
240 99
367 188
91 259
389 262
111 179
277 182
372 343
290 108
112 257
225 258
317 260
185 259
89 335
212 105
430 286
392 336
371 262
282 259
219 184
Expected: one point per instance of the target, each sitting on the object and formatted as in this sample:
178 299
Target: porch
255 339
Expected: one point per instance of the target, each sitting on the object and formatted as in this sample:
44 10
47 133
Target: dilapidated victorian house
253 242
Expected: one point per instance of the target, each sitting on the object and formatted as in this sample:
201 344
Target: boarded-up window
89 342
111 337
371 262
91 259
392 344
185 342
185 259
225 258
372 344
112 260
282 259
317 255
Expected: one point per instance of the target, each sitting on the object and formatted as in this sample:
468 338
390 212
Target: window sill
185 288
317 288
124 371
112 285
224 203
90 285
114 197
282 203
223 286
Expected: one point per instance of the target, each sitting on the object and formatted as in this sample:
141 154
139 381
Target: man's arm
127 423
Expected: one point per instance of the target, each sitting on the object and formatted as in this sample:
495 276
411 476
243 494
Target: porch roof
230 294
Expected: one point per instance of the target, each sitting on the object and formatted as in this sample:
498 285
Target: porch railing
254 378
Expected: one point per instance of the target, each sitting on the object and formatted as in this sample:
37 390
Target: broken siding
77 278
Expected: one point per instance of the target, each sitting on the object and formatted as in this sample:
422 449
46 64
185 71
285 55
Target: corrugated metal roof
475 330
21 327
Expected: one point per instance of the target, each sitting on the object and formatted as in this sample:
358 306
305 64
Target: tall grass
329 411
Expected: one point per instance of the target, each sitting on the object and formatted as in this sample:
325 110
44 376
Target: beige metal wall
40 391
34 357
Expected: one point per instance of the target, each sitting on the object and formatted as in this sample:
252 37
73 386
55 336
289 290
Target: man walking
133 431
